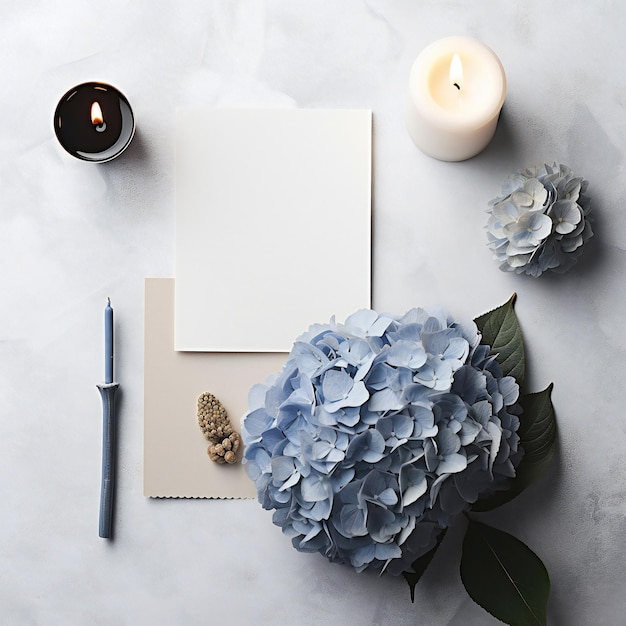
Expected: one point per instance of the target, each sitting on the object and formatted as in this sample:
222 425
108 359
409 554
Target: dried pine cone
226 450
212 418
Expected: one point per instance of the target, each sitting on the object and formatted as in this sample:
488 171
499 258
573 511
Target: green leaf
500 329
537 433
419 565
504 576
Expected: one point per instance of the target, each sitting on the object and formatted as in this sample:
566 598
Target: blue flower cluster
541 221
377 432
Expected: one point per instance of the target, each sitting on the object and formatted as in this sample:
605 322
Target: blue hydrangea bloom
540 222
377 432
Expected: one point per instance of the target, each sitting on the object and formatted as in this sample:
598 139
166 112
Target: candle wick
109 301
101 127
457 86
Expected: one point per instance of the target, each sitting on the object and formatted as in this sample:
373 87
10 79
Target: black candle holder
94 122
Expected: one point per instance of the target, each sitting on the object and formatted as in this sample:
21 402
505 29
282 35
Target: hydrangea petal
353 521
406 354
315 488
385 400
336 385
367 446
452 464
414 492
257 422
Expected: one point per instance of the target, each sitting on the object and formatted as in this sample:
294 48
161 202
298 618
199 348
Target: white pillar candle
456 91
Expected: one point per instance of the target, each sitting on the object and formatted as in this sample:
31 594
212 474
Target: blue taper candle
109 427
108 343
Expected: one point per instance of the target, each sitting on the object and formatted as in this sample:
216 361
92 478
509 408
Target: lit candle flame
96 114
456 71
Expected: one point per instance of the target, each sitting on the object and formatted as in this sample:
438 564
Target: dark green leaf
501 331
538 416
504 576
419 565
537 433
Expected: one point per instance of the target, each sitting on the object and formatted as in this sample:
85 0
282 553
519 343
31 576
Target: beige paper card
273 224
176 463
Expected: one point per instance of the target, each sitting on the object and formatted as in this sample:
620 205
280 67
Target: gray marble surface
73 233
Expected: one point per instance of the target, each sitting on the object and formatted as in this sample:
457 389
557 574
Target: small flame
96 114
456 71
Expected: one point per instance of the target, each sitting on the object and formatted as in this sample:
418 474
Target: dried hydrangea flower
377 432
216 428
226 450
212 418
541 221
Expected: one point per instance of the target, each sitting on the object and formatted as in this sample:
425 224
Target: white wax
450 116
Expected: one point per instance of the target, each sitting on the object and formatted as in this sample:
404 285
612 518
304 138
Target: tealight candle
94 122
457 88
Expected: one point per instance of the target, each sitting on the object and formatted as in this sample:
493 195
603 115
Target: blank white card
273 225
